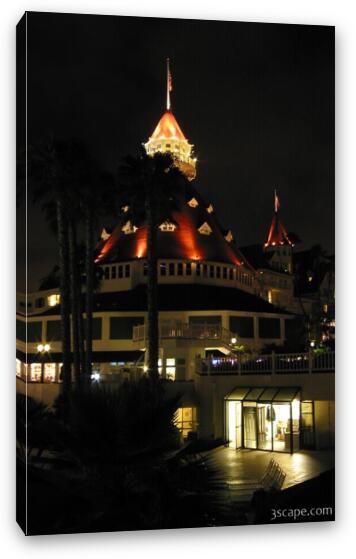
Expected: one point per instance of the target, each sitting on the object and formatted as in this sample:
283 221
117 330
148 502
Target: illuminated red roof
185 242
277 234
167 128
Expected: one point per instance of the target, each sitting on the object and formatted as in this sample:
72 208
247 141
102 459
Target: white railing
287 363
177 329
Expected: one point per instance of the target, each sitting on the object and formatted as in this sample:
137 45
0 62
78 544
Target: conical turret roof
168 128
194 234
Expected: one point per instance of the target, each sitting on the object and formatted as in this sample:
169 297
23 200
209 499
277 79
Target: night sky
256 100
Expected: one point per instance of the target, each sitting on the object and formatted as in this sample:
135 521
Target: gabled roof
168 128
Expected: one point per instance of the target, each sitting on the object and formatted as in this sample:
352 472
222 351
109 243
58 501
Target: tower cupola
168 137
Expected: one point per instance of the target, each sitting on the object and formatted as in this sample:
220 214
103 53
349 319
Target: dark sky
256 100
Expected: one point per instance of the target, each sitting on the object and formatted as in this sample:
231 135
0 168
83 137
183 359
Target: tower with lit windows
168 137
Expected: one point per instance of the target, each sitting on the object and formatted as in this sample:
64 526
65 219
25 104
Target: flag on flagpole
277 204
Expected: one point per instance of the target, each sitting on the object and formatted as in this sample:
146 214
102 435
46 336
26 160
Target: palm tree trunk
62 226
89 272
74 298
152 306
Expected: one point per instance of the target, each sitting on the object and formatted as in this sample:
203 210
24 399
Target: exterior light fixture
233 340
47 347
312 344
95 376
40 348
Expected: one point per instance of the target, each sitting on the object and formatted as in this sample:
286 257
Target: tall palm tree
48 166
151 187
98 198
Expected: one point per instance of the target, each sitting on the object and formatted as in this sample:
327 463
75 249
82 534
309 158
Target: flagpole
168 87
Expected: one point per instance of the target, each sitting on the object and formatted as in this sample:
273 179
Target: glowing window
210 209
36 370
129 228
229 236
193 203
49 372
170 368
18 367
205 229
167 227
186 420
53 300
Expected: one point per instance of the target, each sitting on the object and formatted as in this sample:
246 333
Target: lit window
170 369
193 203
229 236
129 228
125 209
53 300
205 229
186 420
49 372
36 370
18 367
167 226
325 307
210 209
104 235
269 296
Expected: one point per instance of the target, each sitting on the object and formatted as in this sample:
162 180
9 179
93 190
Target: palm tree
49 173
151 186
98 198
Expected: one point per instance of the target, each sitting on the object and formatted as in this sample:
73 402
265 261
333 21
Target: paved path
243 466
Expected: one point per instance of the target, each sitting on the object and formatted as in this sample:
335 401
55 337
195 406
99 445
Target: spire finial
169 86
276 201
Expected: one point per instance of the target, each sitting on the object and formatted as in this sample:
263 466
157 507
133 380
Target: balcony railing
280 364
177 329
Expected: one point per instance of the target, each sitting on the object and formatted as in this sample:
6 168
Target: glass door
250 425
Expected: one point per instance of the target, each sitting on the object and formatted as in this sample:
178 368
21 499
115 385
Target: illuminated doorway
263 418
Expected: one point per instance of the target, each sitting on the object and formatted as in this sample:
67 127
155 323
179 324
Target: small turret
278 242
168 137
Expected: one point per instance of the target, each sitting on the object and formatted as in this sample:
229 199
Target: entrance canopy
264 393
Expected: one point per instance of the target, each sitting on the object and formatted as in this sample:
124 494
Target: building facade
218 312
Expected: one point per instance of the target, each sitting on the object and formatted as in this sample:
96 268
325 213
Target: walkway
243 466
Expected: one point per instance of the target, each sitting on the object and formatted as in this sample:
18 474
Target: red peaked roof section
277 234
184 243
168 128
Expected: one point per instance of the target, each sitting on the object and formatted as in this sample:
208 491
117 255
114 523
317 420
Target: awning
264 393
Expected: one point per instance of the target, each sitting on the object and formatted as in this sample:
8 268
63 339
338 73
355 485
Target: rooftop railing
280 364
177 329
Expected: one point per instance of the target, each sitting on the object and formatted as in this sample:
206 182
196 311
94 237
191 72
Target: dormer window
129 228
205 229
167 226
193 203
229 236
210 209
105 234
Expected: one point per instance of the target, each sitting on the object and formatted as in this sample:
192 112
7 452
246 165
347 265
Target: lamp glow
40 348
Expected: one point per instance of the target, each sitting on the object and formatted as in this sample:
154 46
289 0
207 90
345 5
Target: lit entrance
263 418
